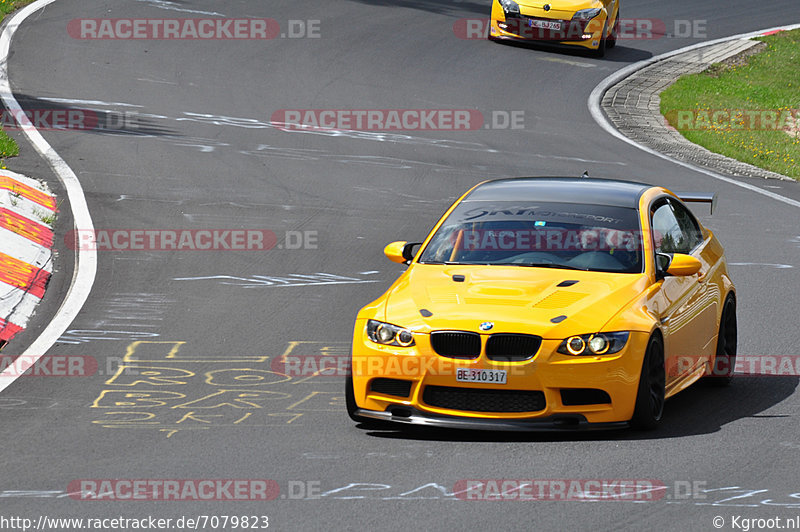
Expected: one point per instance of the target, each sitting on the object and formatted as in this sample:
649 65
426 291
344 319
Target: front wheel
612 37
601 48
650 397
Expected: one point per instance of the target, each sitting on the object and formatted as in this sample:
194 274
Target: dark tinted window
544 234
674 228
688 224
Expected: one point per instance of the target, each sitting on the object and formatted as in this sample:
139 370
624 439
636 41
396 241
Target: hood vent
559 299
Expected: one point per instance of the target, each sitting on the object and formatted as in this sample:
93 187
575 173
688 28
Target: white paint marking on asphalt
85 259
157 81
771 265
174 6
597 113
567 62
80 336
89 102
291 280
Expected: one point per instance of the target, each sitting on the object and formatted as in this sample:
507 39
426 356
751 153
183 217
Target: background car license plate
489 376
545 24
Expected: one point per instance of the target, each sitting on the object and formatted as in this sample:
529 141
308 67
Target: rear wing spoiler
699 197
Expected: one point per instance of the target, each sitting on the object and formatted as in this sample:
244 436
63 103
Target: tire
350 401
350 404
650 397
612 38
601 49
727 339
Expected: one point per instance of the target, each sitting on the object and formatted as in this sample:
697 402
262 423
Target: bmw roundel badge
547 7
486 326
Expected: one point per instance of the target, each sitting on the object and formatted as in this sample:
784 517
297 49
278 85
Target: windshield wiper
540 265
452 263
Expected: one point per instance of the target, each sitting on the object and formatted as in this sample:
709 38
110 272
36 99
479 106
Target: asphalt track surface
202 155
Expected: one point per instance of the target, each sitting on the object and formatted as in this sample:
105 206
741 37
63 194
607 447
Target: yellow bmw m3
591 24
547 303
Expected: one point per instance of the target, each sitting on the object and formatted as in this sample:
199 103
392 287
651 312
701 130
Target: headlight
509 6
594 344
586 14
388 334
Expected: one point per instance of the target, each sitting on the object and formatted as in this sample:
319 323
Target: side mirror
401 252
678 264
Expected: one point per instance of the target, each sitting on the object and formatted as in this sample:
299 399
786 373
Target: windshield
540 234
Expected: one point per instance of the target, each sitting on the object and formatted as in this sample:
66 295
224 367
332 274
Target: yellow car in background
592 24
547 303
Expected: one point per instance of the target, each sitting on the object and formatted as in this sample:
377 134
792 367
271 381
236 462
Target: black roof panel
593 191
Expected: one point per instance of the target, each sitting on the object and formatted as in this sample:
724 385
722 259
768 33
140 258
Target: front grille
483 400
456 344
505 347
584 396
396 387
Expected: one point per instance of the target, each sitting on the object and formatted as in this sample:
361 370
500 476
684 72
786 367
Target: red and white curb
85 266
27 214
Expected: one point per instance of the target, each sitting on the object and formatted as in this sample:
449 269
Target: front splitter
563 422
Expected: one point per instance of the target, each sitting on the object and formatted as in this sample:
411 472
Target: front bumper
549 373
519 29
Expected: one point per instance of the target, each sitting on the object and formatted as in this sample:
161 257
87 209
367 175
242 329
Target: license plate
487 376
545 24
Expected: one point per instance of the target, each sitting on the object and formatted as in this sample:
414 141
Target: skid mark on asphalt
122 314
208 145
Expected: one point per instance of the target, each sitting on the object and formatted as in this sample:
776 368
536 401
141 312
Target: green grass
767 81
8 6
9 147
